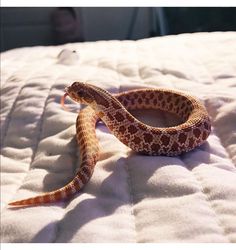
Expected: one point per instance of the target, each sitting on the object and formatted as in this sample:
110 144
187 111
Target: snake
115 112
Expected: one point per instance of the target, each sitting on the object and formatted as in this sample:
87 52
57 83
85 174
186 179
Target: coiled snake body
142 138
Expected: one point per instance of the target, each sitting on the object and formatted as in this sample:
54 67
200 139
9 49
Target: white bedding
130 198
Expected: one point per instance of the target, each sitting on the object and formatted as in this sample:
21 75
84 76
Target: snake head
80 92
99 99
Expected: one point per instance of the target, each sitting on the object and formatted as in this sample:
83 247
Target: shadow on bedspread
99 207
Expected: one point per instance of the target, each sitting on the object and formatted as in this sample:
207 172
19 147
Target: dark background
50 26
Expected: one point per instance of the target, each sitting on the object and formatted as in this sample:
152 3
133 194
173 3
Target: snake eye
84 95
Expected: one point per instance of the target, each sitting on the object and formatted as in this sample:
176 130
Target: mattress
130 197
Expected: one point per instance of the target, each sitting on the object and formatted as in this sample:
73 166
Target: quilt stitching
6 132
17 70
214 82
197 175
228 153
64 206
216 155
40 123
203 191
9 117
128 171
225 147
66 203
131 192
217 218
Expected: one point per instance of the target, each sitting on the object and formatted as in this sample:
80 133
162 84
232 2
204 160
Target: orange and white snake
142 138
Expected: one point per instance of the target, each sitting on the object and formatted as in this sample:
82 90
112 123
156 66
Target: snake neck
104 104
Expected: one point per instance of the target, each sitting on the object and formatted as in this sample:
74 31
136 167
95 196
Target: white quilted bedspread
131 197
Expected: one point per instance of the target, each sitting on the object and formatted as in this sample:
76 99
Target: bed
130 197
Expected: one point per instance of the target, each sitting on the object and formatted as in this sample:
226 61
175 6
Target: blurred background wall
50 26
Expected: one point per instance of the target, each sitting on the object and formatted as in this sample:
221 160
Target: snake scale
142 138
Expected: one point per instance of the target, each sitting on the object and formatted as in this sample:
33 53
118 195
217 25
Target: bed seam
200 182
222 144
14 103
64 206
217 215
214 82
129 179
37 143
9 116
10 119
15 71
40 129
131 196
67 202
40 124
208 200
